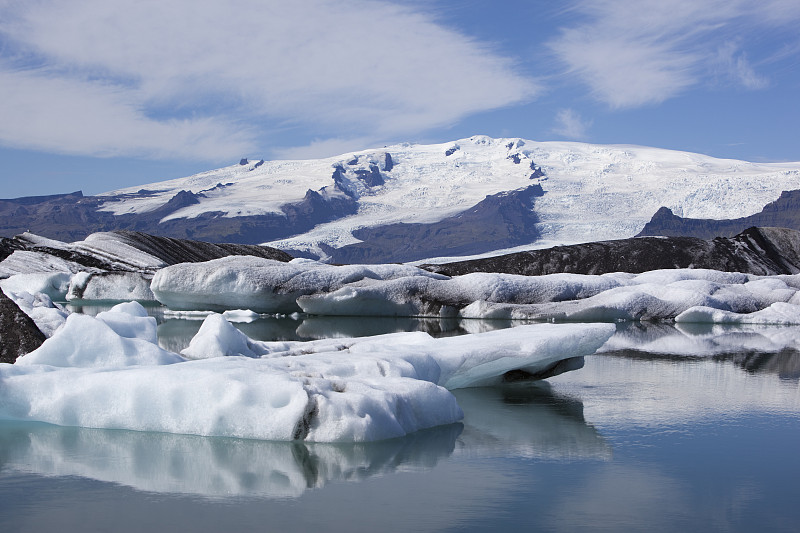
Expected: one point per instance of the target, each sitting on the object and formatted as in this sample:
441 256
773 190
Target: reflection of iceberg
211 467
527 420
756 348
321 327
516 420
174 334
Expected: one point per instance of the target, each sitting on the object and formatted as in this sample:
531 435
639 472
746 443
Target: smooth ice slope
106 372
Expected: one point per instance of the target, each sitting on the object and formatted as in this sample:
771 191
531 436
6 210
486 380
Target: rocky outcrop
18 333
761 251
173 251
165 251
71 217
782 213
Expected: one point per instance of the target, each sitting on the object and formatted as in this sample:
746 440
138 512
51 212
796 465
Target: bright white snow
592 192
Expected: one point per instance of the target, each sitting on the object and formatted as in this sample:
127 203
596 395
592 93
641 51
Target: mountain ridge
409 201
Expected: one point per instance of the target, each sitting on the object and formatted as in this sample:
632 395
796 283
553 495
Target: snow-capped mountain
407 202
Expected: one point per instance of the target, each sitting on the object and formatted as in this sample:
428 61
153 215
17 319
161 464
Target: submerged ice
108 372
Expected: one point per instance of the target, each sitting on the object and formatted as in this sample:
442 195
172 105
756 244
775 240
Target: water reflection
754 348
175 333
527 420
211 467
511 421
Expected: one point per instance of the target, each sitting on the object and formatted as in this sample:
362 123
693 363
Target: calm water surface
704 437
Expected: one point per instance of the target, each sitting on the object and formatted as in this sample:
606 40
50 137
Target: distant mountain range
411 202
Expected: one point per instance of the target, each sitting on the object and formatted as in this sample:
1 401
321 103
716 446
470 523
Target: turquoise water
633 441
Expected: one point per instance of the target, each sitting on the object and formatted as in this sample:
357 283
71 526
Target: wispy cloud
570 125
208 79
735 67
632 54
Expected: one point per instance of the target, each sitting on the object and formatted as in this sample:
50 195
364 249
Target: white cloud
346 68
321 148
77 117
570 125
632 54
734 66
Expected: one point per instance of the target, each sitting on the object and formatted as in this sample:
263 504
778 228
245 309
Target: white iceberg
47 315
777 313
122 336
53 284
107 372
261 285
113 286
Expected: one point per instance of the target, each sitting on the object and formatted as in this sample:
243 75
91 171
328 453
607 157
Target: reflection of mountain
211 467
755 348
527 420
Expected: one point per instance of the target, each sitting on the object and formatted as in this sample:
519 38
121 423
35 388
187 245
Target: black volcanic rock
169 250
18 333
72 217
388 162
761 251
498 221
782 213
173 251
371 177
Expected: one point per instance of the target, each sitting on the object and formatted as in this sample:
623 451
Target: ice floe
262 285
47 315
114 286
399 290
107 372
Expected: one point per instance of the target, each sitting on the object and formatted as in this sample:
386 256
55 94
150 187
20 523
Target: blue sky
98 95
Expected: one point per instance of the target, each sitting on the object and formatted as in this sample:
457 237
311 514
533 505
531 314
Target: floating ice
113 286
106 372
47 316
122 336
262 285
53 284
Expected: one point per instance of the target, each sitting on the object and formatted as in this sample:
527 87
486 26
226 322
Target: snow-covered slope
591 192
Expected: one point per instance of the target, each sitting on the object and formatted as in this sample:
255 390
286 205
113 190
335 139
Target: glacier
320 207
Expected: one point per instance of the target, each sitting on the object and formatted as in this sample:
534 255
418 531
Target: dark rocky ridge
782 213
169 250
71 217
761 251
498 221
18 333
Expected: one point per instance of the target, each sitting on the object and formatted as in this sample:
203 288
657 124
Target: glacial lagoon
690 428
